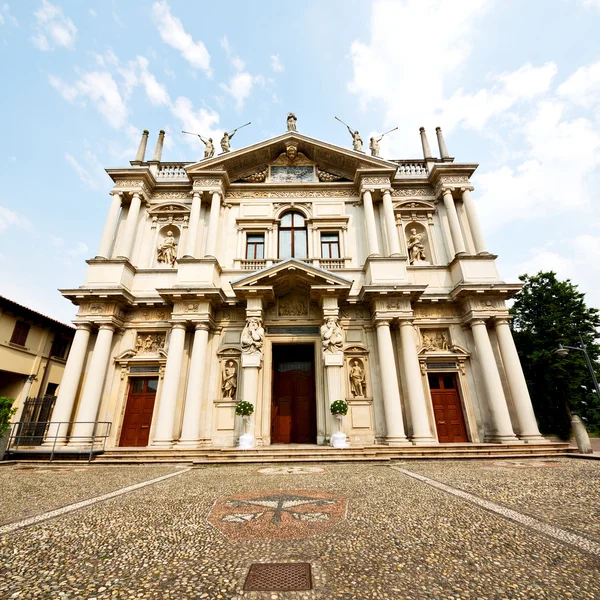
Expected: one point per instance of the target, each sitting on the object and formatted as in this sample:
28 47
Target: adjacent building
33 353
290 274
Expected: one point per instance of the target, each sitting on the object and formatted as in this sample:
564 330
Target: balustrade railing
253 264
55 433
412 168
172 171
331 264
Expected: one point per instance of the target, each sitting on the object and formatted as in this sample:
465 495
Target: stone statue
436 340
229 385
291 122
167 251
357 380
291 152
209 150
356 140
225 147
416 249
374 145
332 336
252 336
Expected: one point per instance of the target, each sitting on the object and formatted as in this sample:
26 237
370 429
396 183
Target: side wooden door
138 412
283 400
449 418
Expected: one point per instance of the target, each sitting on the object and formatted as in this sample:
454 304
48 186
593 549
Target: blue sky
515 85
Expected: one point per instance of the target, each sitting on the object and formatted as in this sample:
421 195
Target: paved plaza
477 529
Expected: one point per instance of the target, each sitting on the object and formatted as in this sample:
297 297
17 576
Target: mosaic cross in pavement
277 514
293 470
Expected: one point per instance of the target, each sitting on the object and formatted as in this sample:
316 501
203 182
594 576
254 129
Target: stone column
473 219
109 228
390 224
141 153
389 386
190 432
455 231
192 232
528 428
63 409
425 144
159 146
503 431
441 143
126 245
373 246
92 391
421 427
165 422
23 395
213 225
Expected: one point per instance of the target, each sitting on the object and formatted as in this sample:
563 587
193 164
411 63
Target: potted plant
339 409
245 409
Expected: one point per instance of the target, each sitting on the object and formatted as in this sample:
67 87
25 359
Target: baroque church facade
290 274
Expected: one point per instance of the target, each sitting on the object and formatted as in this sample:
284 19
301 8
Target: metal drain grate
278 577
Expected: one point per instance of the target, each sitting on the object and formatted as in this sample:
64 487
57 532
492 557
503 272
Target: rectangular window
51 389
255 246
20 333
59 346
330 245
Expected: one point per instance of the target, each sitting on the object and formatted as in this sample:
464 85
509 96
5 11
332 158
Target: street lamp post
564 350
581 435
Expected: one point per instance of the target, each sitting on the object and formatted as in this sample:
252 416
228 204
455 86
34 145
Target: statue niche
229 379
417 244
358 381
166 250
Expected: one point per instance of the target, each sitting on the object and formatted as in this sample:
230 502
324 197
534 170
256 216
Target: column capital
477 321
466 188
503 320
405 322
446 190
109 326
83 326
202 326
115 193
196 194
382 322
385 190
179 325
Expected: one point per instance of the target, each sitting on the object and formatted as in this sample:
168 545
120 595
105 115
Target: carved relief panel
150 343
435 340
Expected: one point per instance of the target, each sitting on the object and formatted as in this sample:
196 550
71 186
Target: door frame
130 380
460 402
314 382
264 411
463 394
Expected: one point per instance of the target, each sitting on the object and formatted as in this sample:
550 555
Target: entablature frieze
268 193
133 186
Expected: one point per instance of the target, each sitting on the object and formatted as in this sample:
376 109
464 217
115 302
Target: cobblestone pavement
399 538
562 491
30 489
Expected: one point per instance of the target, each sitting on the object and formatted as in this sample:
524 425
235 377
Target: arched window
293 239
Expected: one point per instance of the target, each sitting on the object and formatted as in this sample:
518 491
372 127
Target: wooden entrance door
138 412
293 414
449 419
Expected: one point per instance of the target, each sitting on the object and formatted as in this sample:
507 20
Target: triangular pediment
289 275
248 164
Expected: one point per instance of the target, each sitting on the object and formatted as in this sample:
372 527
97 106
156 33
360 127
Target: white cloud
578 263
412 89
5 15
236 62
101 89
137 73
201 121
475 110
583 87
91 173
92 12
79 249
9 218
53 28
172 32
553 146
276 65
241 83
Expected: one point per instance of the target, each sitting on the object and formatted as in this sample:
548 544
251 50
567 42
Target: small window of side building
255 246
59 346
51 389
20 333
330 245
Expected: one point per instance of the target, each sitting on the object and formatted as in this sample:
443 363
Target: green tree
6 412
549 312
